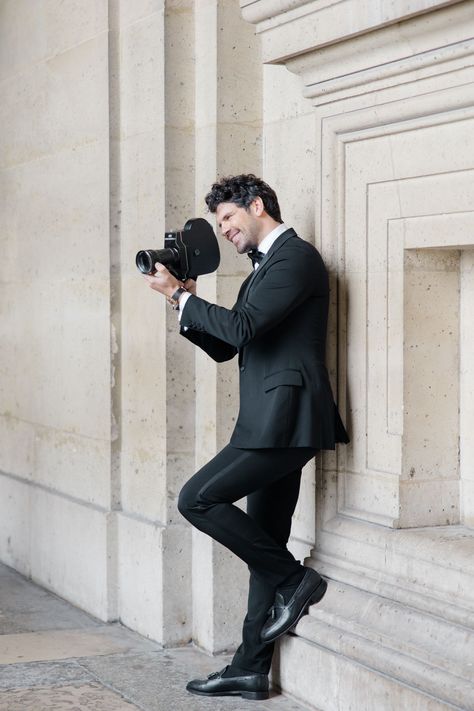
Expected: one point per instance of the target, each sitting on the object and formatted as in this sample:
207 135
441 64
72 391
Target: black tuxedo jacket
278 328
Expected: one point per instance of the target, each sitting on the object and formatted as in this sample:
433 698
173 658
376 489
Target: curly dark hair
242 190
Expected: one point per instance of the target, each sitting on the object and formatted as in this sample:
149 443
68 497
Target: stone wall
390 88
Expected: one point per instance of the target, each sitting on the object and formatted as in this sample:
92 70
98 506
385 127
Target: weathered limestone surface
55 283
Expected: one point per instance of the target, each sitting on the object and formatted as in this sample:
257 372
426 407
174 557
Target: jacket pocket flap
283 377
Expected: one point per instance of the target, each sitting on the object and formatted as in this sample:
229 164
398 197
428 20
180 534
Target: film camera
187 253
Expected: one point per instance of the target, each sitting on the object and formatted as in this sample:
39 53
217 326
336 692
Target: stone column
55 404
179 369
153 547
228 115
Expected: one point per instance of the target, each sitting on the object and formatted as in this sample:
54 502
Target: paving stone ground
54 657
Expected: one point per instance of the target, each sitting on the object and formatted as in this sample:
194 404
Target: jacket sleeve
217 349
291 277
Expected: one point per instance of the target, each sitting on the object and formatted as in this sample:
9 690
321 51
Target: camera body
187 253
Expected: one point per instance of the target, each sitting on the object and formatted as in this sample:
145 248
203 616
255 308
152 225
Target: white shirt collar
271 237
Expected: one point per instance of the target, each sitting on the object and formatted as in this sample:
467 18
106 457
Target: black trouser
270 479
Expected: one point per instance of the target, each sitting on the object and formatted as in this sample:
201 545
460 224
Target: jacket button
242 368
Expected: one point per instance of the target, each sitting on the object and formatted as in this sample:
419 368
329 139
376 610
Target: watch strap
174 298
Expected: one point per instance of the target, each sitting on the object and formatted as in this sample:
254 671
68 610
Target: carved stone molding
380 166
293 27
404 53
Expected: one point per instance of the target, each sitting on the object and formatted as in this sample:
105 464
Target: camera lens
145 261
147 258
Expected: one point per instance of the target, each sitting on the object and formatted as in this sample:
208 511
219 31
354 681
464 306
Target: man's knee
190 502
186 501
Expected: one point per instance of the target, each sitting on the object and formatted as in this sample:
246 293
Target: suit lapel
249 283
243 287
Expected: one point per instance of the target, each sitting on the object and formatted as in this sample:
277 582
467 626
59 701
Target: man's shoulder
295 247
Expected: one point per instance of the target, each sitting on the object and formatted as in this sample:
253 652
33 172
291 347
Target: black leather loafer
250 686
285 616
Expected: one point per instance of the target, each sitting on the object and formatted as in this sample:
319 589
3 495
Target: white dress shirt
271 237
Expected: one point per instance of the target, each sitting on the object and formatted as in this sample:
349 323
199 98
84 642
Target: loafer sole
252 695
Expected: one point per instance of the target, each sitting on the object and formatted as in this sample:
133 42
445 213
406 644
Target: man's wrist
181 289
174 298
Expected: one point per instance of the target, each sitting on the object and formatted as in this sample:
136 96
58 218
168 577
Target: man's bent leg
207 502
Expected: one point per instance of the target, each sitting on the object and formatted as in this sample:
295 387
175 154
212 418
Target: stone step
412 632
356 640
430 569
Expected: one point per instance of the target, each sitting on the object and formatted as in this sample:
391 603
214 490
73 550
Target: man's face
240 226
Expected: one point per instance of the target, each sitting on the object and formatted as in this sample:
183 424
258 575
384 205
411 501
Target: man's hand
163 281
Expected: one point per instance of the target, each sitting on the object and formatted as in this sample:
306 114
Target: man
287 414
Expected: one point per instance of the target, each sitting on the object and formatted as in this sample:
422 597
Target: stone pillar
391 89
140 381
179 369
55 402
228 115
154 152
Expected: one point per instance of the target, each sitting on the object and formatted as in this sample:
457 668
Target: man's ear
258 206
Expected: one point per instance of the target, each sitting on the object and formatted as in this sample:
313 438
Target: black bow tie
255 256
